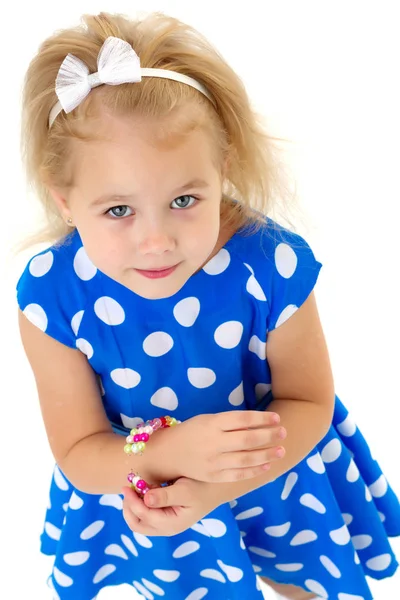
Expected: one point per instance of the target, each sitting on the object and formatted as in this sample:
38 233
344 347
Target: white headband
117 63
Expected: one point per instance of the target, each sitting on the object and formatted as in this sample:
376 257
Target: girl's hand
181 505
225 447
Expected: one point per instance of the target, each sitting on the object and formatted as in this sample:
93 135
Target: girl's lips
156 274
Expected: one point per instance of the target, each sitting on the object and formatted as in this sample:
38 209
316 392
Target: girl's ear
61 202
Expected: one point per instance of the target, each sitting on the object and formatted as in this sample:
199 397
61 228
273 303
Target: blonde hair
256 176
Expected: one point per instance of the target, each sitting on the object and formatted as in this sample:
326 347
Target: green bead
134 431
128 448
141 446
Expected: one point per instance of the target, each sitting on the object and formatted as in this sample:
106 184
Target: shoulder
52 288
283 266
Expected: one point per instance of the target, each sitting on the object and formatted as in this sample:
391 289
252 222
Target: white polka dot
316 588
40 265
201 377
356 558
258 347
76 321
165 398
214 527
145 592
51 586
256 569
92 530
113 500
65 506
164 575
249 268
157 344
255 289
130 422
126 378
312 502
61 578
104 572
379 488
75 502
331 451
382 516
233 503
59 479
36 315
340 536
290 482
262 552
251 512
330 567
185 549
85 347
109 311
213 574
286 314
234 574
236 397
116 550
315 463
361 541
219 263
303 537
52 531
289 567
242 544
129 544
143 540
262 389
379 563
83 266
285 260
76 558
347 518
197 594
200 529
352 473
347 427
350 597
186 311
229 334
368 496
278 530
153 587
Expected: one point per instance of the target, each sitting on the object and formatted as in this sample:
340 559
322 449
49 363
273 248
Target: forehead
127 149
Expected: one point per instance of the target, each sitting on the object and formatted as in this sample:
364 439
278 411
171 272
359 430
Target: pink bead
141 484
130 477
156 424
137 438
144 437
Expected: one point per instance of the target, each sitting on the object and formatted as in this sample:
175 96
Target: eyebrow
195 183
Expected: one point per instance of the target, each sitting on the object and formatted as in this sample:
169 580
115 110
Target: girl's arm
79 432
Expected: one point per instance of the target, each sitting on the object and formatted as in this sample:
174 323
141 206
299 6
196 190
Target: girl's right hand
228 446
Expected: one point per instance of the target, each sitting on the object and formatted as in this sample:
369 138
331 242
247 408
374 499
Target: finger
133 503
161 497
250 439
249 459
246 419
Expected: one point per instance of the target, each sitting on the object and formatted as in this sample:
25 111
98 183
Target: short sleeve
44 298
295 271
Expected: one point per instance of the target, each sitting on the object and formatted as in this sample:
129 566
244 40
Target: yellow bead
134 431
173 421
140 446
127 448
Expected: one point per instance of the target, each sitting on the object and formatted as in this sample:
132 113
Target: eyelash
108 212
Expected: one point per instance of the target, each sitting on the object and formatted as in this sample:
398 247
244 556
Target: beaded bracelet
138 484
139 436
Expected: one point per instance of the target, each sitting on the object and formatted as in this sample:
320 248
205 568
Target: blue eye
184 201
118 212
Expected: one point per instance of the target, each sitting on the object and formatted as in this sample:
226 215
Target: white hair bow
117 63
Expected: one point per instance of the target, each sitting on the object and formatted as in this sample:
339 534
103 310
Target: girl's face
142 207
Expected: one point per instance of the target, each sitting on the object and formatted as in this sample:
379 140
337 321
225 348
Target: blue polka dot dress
323 526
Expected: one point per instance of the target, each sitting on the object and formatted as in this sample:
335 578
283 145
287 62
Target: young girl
167 297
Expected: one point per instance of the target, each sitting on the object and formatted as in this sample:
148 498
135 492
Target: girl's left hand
176 508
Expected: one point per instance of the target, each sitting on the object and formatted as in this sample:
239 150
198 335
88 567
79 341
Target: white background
325 74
